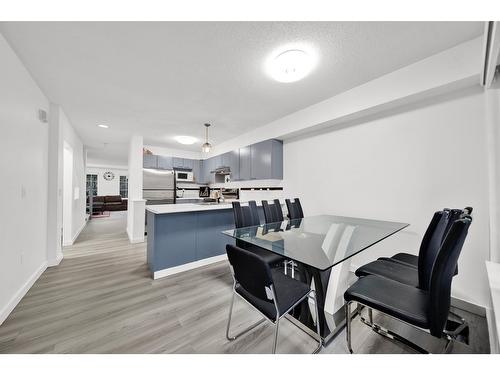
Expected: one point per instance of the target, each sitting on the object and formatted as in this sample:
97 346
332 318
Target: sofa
109 203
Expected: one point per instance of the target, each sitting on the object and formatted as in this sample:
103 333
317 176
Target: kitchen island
185 236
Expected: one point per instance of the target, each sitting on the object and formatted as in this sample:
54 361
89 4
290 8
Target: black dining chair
418 275
294 209
272 212
412 259
248 216
426 309
267 290
405 273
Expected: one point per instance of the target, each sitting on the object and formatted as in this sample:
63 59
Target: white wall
105 187
79 178
23 195
403 167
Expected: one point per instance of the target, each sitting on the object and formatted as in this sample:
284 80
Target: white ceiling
162 79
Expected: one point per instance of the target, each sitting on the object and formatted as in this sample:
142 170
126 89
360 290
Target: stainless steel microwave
184 176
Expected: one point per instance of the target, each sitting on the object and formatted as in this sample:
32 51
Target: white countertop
190 207
493 271
186 207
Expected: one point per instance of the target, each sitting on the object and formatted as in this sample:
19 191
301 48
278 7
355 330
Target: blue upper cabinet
217 162
260 161
245 163
178 162
164 162
189 163
197 170
150 161
234 164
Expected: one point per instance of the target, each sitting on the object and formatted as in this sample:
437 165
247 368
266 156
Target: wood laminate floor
101 299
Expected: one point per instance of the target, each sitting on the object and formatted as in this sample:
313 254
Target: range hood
222 171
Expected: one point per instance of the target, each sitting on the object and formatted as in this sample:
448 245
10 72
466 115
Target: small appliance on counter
184 176
204 192
230 194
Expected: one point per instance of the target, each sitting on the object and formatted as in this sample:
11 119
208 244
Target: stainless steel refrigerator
158 186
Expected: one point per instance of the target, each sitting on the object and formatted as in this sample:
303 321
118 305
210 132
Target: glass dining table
321 248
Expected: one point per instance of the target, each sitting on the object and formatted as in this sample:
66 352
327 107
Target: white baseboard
76 235
5 311
56 261
188 266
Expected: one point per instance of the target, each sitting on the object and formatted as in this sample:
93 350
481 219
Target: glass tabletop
319 241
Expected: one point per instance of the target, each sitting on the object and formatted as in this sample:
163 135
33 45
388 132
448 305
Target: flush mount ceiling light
206 147
103 126
185 139
291 64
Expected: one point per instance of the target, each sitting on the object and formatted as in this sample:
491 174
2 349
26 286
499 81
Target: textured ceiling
162 79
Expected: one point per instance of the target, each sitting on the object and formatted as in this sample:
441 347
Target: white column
136 205
492 108
54 195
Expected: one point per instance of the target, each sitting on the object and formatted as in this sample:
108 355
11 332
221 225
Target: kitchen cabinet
188 163
217 162
234 164
267 160
263 160
205 171
149 161
178 162
164 162
245 163
197 170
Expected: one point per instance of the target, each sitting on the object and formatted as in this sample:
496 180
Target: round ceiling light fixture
291 64
185 139
206 147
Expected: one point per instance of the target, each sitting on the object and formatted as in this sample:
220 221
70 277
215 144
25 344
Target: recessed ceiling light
291 64
103 126
185 139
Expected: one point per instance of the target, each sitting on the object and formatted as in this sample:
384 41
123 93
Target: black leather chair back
453 214
272 212
442 275
245 216
294 209
250 271
431 242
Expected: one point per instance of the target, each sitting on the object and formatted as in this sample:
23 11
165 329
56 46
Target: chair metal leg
459 328
318 328
370 315
448 345
348 326
285 266
276 332
293 270
229 323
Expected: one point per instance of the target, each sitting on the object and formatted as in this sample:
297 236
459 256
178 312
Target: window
91 185
124 186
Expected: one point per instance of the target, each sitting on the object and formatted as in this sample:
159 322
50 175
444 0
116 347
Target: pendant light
206 146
